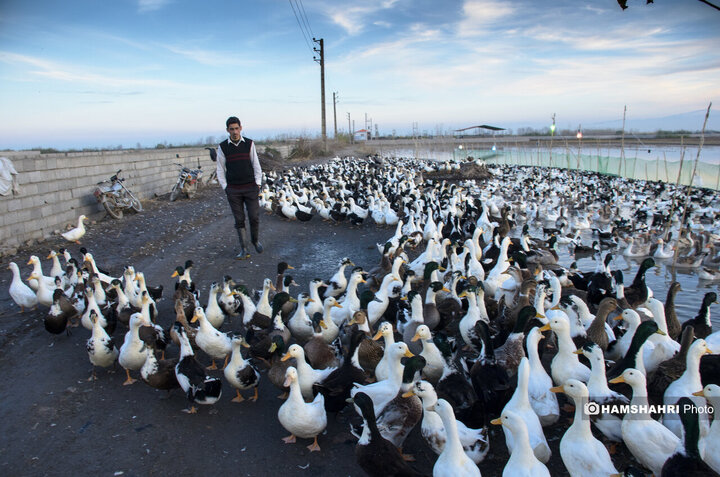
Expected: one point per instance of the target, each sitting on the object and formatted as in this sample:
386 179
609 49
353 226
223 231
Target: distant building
361 135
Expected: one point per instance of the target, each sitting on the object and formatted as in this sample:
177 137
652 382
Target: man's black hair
232 120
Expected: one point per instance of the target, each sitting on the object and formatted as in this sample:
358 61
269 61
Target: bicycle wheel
111 208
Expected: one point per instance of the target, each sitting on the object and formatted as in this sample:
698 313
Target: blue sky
88 73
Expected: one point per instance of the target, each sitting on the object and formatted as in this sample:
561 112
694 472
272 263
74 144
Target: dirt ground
56 422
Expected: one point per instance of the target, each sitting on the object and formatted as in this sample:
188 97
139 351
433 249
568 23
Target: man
240 175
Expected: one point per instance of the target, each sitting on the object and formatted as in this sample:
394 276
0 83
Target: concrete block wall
55 189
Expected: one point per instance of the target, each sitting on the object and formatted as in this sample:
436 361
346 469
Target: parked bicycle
115 197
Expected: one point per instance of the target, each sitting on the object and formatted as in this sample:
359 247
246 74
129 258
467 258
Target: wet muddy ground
56 422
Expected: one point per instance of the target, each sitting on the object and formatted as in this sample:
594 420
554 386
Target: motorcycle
187 182
115 197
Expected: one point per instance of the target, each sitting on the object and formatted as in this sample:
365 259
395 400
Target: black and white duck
198 386
240 372
702 323
100 346
687 460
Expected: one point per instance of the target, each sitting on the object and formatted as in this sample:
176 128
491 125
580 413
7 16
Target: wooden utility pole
351 133
335 100
321 51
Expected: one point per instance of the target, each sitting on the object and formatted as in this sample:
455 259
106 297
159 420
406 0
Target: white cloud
151 5
479 14
354 19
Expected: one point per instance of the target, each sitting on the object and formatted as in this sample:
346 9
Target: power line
304 16
302 30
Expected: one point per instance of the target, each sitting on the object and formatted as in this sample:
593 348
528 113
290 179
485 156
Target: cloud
353 19
151 5
479 14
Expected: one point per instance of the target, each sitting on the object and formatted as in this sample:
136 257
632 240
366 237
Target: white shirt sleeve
256 164
221 168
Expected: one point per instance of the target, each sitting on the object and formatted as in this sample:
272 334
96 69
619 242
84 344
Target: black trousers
239 200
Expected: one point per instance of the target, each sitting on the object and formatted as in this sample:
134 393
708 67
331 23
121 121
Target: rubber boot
244 253
258 246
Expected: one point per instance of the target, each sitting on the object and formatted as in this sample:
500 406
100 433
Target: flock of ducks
467 321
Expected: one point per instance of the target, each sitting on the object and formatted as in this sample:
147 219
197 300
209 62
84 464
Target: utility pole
335 101
321 60
350 131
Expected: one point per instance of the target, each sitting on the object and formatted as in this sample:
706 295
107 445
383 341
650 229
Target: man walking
240 175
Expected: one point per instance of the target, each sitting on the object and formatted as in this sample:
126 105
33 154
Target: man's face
234 131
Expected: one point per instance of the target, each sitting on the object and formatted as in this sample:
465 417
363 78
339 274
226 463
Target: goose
76 233
687 460
475 442
132 352
198 387
519 404
522 461
452 462
100 347
711 393
213 342
650 442
664 250
301 419
582 454
21 294
239 372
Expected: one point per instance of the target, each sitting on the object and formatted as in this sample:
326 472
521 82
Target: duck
511 352
382 369
37 268
637 293
674 328
277 367
369 352
490 381
239 372
519 404
300 418
475 442
338 282
336 386
711 393
376 308
434 361
685 386
299 324
44 293
648 441
663 347
21 294
617 349
687 460
307 375
634 356
452 461
92 305
159 374
100 347
61 314
320 354
565 364
416 319
122 309
198 386
385 390
349 304
213 312
702 323
213 342
610 424
670 369
542 400
522 460
582 454
377 456
132 352
76 233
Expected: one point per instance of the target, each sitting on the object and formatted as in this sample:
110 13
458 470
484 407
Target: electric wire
302 30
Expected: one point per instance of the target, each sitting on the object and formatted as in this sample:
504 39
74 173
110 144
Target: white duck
522 461
44 293
239 372
711 442
519 404
650 442
382 369
582 454
452 462
132 352
385 390
434 362
213 342
213 312
298 417
299 323
21 294
75 234
474 441
542 400
565 365
100 347
307 375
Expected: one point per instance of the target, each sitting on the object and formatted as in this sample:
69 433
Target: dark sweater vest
238 164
